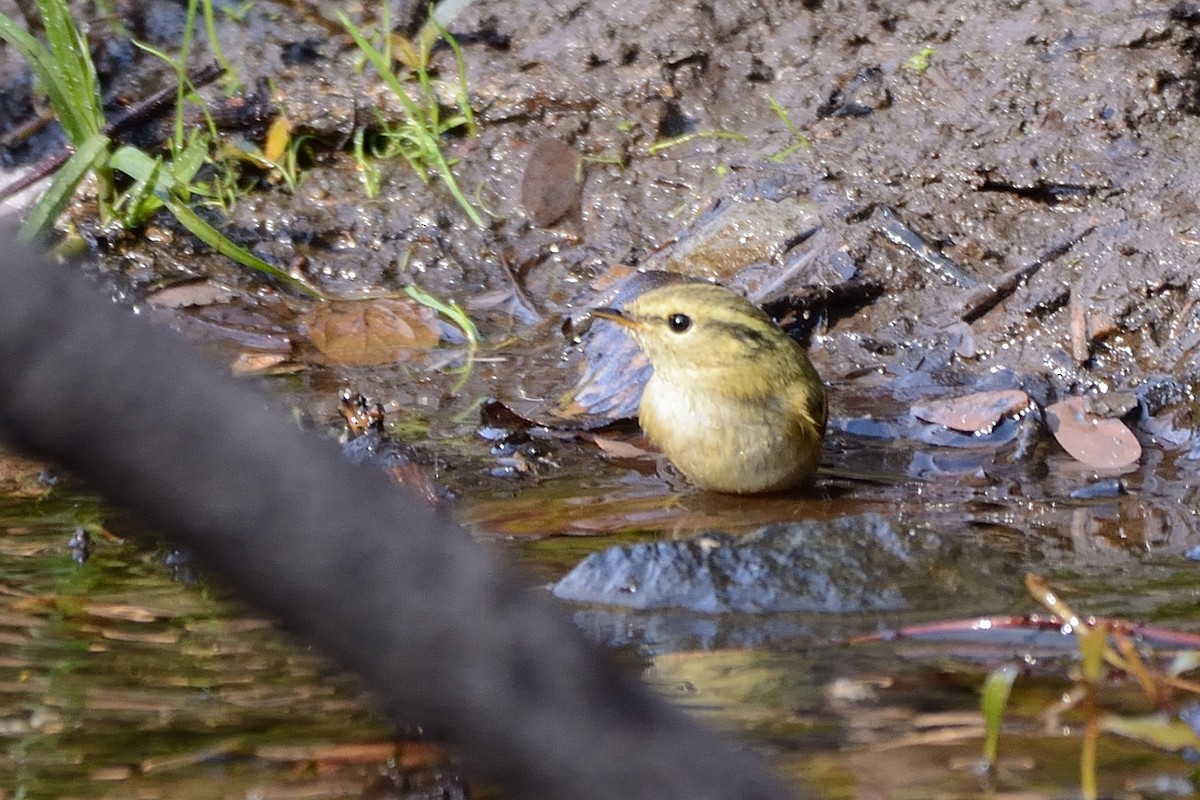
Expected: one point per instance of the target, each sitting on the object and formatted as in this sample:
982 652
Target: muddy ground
974 195
1042 156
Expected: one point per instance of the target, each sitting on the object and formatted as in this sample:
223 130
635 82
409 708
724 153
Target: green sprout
239 13
418 138
450 309
996 689
368 170
64 69
919 61
801 142
665 144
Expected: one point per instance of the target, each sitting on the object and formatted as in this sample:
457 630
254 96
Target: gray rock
856 563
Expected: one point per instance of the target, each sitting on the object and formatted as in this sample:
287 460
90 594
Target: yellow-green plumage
734 401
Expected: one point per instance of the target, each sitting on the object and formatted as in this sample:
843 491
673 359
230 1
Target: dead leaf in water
257 363
618 448
189 294
973 413
366 333
1098 443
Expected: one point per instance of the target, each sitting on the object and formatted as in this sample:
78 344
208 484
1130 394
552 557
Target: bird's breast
727 443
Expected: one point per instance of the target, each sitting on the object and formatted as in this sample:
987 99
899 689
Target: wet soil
1010 180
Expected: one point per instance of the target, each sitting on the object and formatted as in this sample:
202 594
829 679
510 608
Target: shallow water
119 678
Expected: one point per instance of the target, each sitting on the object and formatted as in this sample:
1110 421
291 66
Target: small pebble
80 546
1109 487
182 565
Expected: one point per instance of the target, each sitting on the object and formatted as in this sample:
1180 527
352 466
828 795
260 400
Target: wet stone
850 564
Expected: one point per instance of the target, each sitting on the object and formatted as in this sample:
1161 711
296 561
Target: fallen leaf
1098 443
119 611
1156 730
553 181
257 363
189 294
973 413
366 333
279 136
621 449
365 753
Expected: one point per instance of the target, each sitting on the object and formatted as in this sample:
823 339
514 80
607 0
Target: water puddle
120 677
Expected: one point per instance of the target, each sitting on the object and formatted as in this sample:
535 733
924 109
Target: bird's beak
612 315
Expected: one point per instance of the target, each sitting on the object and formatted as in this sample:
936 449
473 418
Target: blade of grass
996 689
464 103
801 142
63 187
421 136
49 77
64 69
665 144
219 242
210 26
73 62
136 204
450 309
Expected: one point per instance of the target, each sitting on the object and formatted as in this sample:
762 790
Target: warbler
733 402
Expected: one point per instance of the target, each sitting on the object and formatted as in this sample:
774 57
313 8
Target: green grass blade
188 161
451 310
380 62
210 26
426 140
63 187
996 689
47 73
173 176
219 242
137 165
136 204
73 62
464 103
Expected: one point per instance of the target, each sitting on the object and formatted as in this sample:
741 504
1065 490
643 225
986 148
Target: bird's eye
678 323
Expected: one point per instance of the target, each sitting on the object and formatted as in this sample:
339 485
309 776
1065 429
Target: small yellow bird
734 401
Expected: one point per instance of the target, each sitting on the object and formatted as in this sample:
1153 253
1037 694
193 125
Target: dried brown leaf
369 332
620 449
552 184
257 363
973 413
1098 443
119 611
189 294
